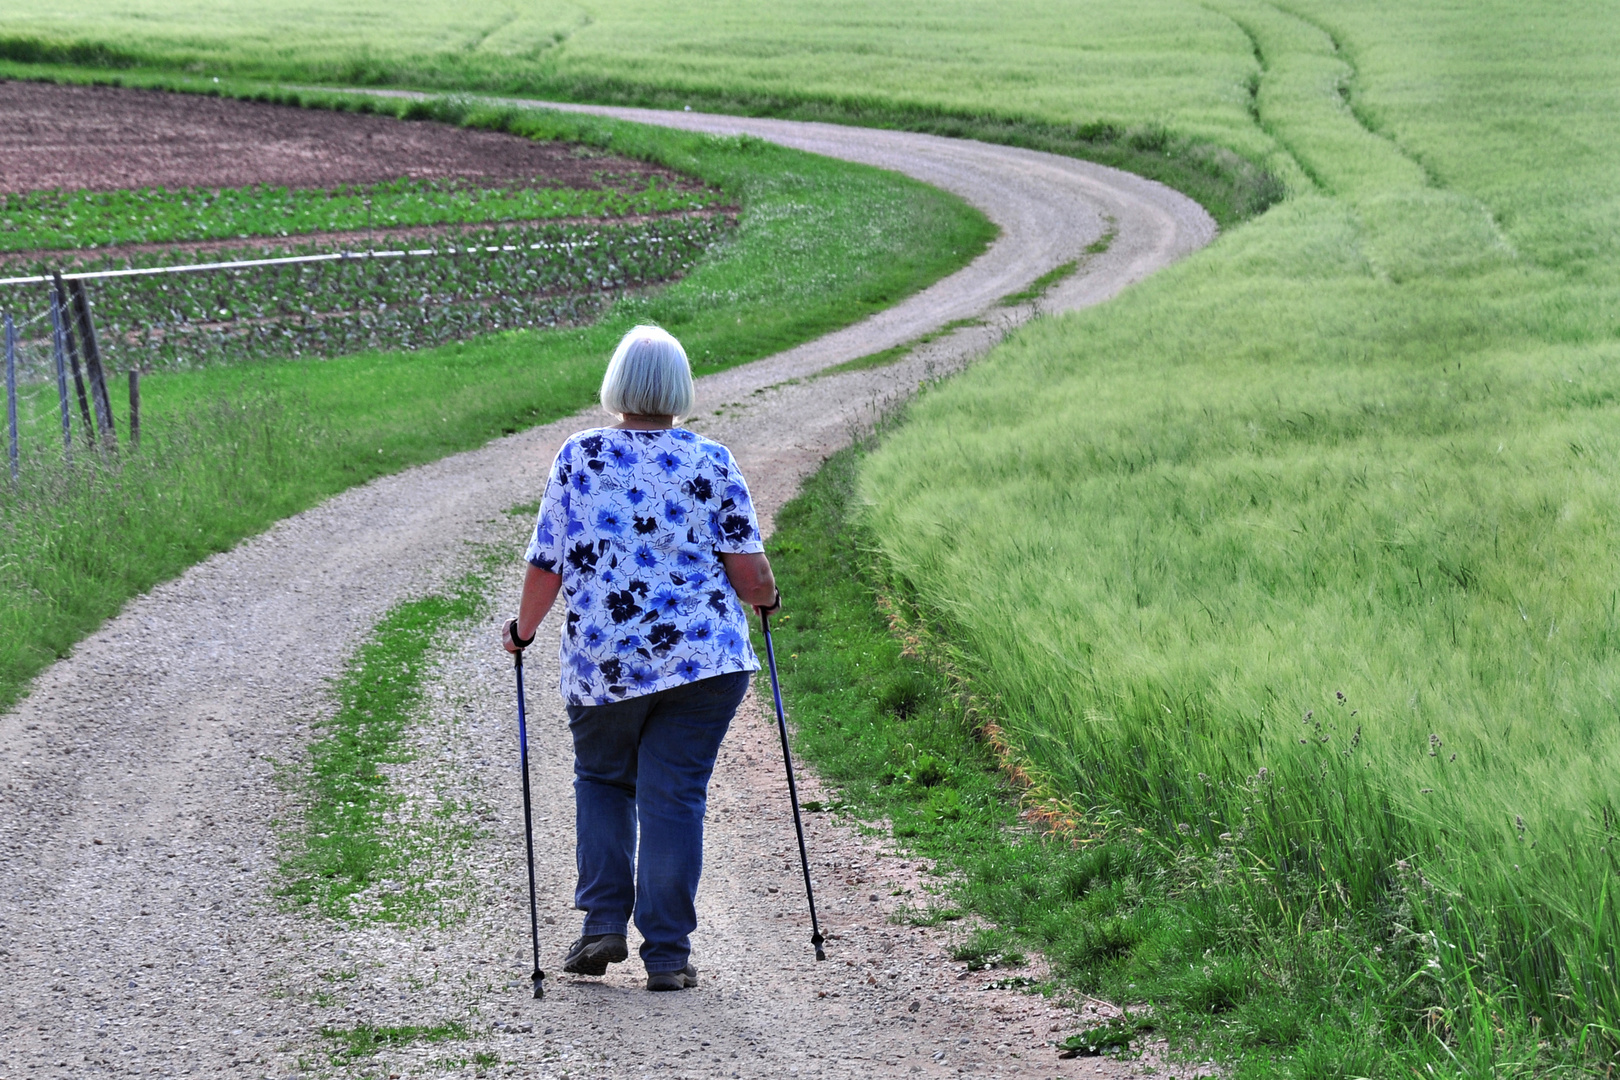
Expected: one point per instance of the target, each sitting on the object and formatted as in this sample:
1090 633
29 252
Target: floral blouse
635 521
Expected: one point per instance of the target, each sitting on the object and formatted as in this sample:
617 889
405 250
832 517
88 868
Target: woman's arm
540 589
751 576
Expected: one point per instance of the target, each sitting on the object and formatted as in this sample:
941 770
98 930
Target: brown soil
103 138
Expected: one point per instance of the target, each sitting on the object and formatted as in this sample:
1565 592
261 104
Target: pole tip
821 954
539 980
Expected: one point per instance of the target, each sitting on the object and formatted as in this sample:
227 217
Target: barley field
1308 545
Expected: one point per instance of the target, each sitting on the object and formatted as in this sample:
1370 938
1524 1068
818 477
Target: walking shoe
673 980
592 955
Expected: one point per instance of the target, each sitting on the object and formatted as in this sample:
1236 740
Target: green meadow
1300 556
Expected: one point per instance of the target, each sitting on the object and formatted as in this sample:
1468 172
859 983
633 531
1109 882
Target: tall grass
228 450
1275 975
1305 547
77 540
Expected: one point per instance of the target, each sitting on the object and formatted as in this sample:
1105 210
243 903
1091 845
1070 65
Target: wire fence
70 334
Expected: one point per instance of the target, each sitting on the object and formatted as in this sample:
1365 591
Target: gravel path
138 934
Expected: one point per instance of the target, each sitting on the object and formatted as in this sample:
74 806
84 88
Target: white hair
648 376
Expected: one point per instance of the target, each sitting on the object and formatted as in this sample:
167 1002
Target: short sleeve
551 528
734 524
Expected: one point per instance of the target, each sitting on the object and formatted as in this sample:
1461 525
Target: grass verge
896 353
1217 952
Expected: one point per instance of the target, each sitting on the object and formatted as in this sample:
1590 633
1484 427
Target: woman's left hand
540 588
509 639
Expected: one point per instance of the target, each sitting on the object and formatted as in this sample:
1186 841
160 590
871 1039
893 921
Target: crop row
538 275
42 220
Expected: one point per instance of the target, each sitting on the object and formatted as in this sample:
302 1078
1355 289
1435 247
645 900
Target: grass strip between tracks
228 450
353 837
1203 948
351 1045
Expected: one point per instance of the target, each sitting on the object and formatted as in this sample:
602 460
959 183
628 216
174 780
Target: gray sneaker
673 980
592 955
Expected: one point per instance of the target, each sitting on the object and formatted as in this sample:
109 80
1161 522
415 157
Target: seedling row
61 220
527 274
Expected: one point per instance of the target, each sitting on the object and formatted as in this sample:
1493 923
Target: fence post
59 354
73 359
134 409
11 396
92 363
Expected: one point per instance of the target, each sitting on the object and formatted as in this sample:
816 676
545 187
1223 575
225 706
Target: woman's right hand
750 575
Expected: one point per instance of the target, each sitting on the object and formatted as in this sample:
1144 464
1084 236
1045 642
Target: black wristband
522 643
776 605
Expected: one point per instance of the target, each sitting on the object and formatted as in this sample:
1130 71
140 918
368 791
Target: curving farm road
137 930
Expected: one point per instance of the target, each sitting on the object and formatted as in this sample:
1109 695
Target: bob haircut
648 376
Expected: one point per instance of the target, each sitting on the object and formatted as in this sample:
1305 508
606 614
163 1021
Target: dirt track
136 852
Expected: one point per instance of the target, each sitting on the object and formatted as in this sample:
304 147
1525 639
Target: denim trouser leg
605 838
647 759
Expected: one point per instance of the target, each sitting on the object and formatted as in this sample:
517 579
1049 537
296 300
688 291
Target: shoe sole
671 980
594 958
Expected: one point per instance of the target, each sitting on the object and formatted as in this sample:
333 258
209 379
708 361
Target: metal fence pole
134 409
64 303
59 353
92 362
11 397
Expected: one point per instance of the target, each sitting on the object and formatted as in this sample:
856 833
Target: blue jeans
647 760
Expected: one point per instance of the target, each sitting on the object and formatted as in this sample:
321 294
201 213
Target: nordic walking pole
539 977
793 789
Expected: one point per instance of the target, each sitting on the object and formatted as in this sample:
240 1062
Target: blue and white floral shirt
635 521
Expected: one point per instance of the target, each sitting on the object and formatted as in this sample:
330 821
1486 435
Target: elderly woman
648 532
